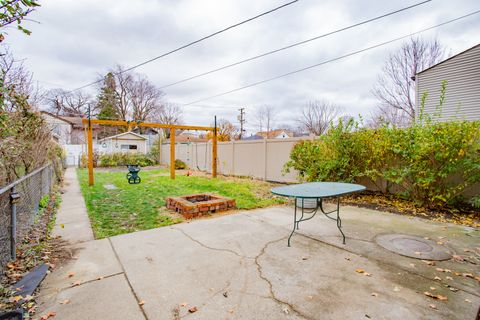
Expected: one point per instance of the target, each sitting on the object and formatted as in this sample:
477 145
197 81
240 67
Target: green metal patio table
317 191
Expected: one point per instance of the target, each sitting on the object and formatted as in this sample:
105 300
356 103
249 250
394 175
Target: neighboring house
123 142
187 138
68 130
61 128
462 97
275 134
252 137
79 133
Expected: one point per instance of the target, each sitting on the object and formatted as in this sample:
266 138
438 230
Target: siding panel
462 98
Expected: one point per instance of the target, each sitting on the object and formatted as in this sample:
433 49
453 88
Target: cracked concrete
238 266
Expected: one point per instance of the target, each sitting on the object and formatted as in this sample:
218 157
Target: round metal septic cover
413 247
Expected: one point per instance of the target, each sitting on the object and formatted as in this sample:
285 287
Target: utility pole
241 119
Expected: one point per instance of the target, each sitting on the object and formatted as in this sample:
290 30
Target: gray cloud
76 41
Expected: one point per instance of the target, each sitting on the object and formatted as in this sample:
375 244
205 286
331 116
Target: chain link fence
20 206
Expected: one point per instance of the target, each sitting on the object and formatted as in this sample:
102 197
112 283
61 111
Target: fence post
233 157
13 231
265 159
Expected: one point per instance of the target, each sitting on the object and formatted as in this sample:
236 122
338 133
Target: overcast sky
76 41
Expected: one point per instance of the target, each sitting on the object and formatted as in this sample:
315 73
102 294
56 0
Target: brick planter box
196 205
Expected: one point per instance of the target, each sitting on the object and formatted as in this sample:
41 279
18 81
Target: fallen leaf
468 275
438 297
225 294
417 252
432 306
71 274
359 270
183 304
439 269
49 315
66 301
285 310
347 259
448 278
193 309
439 242
15 299
453 289
141 303
468 300
305 258
433 288
430 263
457 258
367 274
448 270
62 226
374 294
231 311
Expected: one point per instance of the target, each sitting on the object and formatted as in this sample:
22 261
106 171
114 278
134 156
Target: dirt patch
462 214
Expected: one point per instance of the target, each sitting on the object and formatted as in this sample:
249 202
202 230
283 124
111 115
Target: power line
193 42
330 60
292 45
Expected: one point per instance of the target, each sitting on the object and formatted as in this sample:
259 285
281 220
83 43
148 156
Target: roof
253 137
452 57
274 133
57 117
122 134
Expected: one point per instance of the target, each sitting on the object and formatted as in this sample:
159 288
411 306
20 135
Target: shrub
432 162
122 159
180 165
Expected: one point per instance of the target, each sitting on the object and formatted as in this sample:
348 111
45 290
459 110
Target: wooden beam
90 156
146 125
172 153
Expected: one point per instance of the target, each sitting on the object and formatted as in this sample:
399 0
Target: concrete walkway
239 267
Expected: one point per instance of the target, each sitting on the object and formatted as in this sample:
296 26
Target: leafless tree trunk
317 116
122 89
265 118
395 88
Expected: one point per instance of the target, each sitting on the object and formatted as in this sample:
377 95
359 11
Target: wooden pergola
131 124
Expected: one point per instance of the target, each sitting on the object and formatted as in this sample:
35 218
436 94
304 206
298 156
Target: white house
61 128
462 96
123 142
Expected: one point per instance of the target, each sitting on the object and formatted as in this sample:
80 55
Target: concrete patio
238 266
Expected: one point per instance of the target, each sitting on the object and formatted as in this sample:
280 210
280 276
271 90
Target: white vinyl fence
262 159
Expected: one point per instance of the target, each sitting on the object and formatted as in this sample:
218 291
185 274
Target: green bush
180 165
121 159
432 162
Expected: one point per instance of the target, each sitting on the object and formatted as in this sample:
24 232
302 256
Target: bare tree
395 88
168 113
265 118
14 75
145 98
71 104
317 116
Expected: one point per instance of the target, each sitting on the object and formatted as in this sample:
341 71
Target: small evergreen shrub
180 165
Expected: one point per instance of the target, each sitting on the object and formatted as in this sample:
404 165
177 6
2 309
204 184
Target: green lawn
138 207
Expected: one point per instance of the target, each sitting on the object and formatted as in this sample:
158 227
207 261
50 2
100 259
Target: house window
128 147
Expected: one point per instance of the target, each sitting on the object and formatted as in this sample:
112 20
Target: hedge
432 163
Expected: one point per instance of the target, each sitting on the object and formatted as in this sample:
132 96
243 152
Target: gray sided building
462 98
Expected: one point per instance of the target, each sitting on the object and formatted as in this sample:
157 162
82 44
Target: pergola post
214 150
172 153
90 154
